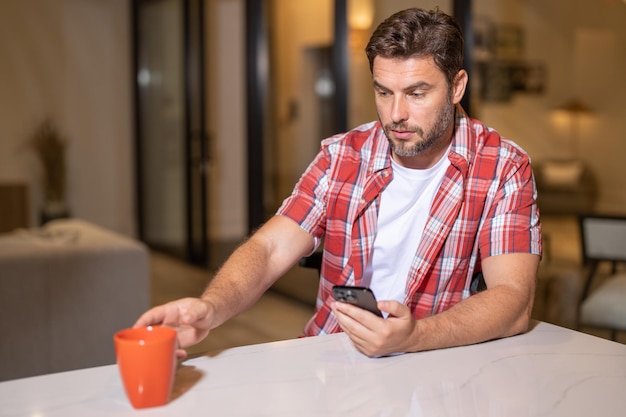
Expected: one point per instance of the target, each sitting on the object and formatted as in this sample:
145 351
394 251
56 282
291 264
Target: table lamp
574 108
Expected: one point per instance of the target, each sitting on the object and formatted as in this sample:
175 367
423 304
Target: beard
401 148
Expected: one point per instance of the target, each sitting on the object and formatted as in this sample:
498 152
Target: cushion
606 306
562 173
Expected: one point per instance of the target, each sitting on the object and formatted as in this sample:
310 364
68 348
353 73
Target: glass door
170 131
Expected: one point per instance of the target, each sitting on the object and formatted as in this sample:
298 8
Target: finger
343 312
194 313
355 320
181 354
360 336
154 316
364 317
357 313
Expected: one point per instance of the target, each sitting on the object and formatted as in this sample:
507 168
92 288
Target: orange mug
146 358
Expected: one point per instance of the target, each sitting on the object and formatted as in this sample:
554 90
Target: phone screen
359 296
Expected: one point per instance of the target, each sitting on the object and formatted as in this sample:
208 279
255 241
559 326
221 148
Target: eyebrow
418 85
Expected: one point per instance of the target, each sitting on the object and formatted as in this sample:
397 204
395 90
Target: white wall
226 97
70 60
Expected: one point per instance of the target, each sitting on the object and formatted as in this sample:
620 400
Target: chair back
603 238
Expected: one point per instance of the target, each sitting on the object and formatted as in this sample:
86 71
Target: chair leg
592 269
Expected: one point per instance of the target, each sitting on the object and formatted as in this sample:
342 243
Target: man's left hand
373 335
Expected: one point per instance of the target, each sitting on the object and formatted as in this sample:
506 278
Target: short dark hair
419 33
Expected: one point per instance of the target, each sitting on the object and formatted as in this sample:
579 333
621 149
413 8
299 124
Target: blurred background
183 124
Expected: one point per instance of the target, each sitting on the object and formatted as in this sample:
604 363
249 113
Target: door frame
195 135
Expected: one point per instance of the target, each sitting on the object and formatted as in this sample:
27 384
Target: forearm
254 267
495 313
240 282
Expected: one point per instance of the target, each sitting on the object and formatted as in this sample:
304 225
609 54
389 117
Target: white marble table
550 371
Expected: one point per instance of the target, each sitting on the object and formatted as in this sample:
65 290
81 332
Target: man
414 206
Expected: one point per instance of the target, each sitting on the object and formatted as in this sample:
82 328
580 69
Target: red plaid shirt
485 206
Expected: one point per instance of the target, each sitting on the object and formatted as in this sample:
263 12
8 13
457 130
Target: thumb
394 308
194 311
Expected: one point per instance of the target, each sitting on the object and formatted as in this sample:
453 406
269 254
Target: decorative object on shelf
500 64
50 146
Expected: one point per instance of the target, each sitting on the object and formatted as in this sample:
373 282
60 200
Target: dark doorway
170 127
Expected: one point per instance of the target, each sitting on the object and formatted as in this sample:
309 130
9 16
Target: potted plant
50 147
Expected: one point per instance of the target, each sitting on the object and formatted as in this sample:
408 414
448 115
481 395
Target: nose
399 110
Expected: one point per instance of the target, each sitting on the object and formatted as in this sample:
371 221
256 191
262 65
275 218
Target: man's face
416 108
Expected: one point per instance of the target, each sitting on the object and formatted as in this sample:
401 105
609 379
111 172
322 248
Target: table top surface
549 371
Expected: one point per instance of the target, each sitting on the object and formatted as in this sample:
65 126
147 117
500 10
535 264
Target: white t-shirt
404 208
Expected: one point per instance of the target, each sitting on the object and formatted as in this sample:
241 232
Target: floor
279 317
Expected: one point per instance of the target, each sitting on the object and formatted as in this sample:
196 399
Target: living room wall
70 61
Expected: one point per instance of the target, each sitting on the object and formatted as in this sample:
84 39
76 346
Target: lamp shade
574 105
574 108
360 14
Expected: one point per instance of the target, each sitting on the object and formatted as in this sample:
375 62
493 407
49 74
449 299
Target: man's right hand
190 317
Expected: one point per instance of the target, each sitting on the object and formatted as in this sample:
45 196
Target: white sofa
65 288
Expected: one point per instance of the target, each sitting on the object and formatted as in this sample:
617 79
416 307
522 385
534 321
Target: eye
382 93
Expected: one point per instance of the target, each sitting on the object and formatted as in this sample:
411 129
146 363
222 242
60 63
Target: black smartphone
359 296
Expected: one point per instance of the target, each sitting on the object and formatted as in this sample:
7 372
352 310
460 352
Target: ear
459 85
